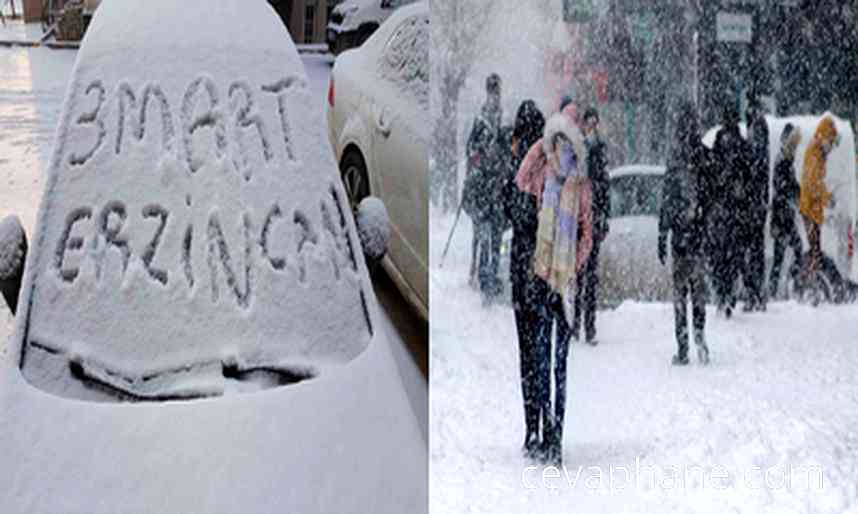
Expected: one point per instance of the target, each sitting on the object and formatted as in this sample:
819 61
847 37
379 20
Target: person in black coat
482 160
683 217
731 156
529 292
588 280
784 205
756 207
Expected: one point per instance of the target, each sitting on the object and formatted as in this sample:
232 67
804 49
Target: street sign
734 27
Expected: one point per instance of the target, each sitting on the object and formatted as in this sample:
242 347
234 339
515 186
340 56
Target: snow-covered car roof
194 242
637 169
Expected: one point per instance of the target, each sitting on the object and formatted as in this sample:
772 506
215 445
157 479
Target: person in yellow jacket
814 196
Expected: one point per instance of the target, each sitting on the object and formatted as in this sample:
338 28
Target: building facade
305 19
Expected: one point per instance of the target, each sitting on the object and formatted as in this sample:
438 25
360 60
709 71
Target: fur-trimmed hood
560 123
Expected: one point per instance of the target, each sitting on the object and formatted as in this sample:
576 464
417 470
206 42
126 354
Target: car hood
343 442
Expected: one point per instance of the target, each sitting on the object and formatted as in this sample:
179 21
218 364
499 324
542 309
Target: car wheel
354 175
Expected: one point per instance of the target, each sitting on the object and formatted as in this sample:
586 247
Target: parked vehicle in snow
197 330
378 107
354 21
628 262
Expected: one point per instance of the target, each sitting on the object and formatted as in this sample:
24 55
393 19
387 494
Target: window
309 22
405 58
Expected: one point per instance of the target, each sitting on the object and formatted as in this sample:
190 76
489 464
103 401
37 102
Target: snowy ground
779 400
32 87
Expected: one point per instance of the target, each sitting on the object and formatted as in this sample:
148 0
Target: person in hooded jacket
555 175
784 202
484 168
529 292
756 198
815 197
732 157
684 209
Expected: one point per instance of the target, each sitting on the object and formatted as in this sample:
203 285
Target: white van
838 230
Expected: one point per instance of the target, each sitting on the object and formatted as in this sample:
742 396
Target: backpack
477 194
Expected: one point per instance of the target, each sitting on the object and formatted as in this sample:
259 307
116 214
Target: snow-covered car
629 268
838 231
197 330
378 123
354 21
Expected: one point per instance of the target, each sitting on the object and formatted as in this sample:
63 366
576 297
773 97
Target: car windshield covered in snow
636 195
194 238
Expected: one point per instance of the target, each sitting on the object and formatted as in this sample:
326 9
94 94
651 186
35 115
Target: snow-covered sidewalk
754 432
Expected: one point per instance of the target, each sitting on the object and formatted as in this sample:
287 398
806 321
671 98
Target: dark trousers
724 263
475 245
784 233
489 243
688 281
534 343
754 262
559 354
585 295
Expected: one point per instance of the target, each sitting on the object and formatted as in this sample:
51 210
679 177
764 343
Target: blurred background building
639 57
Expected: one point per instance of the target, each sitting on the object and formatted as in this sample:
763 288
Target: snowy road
32 89
779 402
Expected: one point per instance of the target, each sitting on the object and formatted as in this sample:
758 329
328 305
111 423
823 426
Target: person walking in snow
563 244
732 160
588 281
529 293
815 197
784 202
683 218
481 205
756 207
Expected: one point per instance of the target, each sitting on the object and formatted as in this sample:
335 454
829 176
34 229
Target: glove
662 249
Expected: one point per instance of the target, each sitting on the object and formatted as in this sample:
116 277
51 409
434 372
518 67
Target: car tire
355 178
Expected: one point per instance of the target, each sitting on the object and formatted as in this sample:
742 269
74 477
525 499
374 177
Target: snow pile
779 397
373 227
11 247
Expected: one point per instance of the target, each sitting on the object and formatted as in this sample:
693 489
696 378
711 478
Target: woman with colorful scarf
555 172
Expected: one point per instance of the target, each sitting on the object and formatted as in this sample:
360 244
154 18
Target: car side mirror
13 254
373 227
